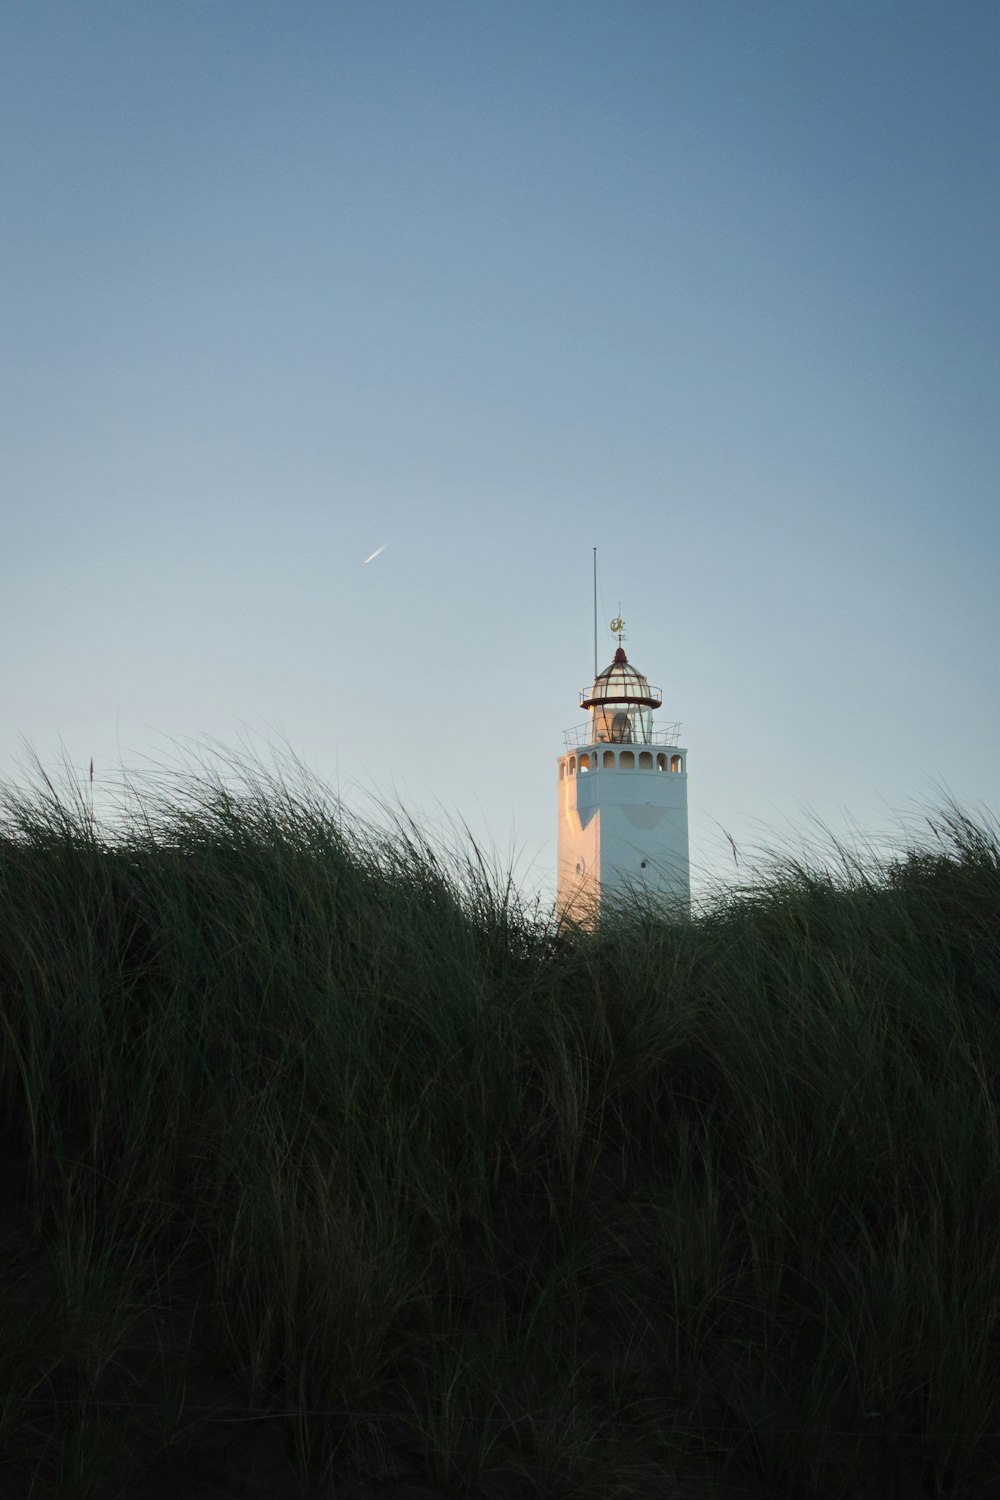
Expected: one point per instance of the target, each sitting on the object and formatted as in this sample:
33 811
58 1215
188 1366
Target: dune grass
329 1120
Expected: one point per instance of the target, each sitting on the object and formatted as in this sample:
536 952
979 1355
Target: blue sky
713 287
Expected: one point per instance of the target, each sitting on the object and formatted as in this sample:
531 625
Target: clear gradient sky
711 286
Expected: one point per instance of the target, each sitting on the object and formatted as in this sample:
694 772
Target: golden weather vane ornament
618 628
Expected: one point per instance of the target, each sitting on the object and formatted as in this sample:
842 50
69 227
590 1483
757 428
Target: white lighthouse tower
623 823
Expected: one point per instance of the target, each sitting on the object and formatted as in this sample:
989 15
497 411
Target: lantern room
621 704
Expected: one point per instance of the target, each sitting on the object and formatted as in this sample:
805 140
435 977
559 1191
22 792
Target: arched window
572 764
627 760
645 760
584 762
562 770
676 763
609 760
661 762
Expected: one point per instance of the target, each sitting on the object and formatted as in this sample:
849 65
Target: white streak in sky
375 554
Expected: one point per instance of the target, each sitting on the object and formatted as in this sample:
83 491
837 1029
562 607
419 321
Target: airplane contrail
375 554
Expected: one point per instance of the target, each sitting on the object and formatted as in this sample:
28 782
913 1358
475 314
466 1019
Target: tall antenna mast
595 612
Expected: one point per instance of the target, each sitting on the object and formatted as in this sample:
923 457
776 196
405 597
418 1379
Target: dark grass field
331 1168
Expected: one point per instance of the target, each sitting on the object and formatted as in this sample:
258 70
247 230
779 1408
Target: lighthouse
623 823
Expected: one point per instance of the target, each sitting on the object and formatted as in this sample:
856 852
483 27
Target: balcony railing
583 734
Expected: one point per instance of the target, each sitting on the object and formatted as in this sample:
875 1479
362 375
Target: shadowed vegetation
325 1157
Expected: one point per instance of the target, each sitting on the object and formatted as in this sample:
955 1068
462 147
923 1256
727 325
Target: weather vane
618 628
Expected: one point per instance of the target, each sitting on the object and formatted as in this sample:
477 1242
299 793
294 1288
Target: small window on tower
609 760
627 760
584 762
645 760
661 762
572 764
676 763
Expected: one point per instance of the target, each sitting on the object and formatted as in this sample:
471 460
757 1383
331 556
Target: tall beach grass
313 1129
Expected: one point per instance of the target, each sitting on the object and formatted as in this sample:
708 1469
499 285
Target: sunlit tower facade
623 821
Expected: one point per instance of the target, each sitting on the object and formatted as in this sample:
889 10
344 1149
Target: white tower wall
622 827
